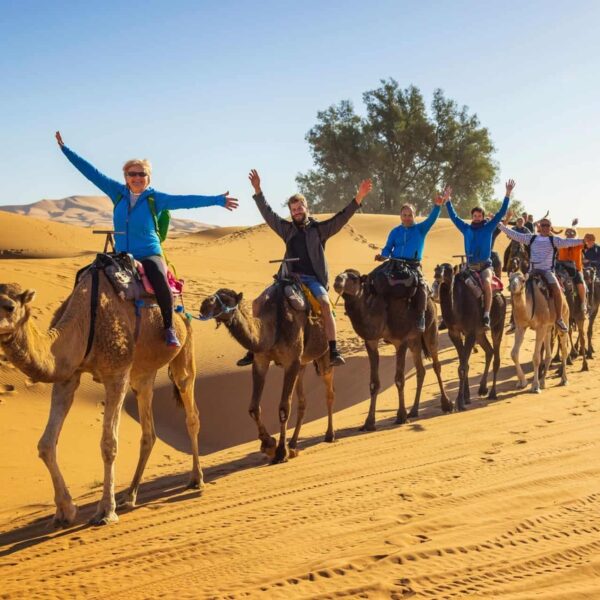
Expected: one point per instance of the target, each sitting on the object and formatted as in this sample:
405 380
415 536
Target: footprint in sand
6 389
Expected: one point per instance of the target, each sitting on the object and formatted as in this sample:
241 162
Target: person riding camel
591 253
529 223
519 227
478 245
305 239
406 241
542 248
134 222
572 259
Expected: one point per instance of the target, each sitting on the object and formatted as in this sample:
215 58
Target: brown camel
531 308
577 315
592 281
376 318
115 359
289 338
462 313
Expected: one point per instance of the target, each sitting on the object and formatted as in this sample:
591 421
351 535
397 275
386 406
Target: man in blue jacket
478 244
406 242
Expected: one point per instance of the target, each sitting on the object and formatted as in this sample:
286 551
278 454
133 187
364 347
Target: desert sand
502 500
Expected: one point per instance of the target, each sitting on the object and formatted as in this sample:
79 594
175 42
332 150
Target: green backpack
162 220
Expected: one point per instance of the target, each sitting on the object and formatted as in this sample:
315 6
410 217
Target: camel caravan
119 323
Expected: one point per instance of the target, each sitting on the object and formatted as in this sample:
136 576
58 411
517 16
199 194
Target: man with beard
305 239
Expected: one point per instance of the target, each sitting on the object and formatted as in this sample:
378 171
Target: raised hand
255 181
364 188
444 196
510 185
59 139
508 216
230 203
380 257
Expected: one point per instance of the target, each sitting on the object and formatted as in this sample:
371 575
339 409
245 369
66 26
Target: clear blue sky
208 90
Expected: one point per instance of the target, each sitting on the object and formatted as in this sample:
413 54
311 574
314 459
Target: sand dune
90 211
500 501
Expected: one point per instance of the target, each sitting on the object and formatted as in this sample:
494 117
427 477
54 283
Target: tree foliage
408 151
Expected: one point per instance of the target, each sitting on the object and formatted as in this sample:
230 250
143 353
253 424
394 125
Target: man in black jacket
305 239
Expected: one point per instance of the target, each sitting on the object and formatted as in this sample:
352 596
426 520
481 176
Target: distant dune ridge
90 211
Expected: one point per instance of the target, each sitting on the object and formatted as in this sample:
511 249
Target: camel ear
239 297
27 296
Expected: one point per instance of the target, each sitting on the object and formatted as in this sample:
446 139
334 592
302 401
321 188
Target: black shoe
421 323
486 323
246 360
336 359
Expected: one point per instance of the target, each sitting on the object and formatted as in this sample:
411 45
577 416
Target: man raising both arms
305 239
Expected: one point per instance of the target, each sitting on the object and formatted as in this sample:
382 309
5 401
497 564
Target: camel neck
248 330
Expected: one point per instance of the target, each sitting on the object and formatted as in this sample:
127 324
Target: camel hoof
536 390
292 452
401 420
467 400
521 385
569 361
564 382
195 484
125 501
573 355
585 367
268 447
368 426
104 518
330 437
493 395
413 414
482 392
461 408
447 406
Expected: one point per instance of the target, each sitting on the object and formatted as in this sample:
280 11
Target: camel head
14 309
443 273
349 282
516 282
221 306
589 276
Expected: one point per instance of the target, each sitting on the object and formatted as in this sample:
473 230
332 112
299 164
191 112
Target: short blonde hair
138 162
297 198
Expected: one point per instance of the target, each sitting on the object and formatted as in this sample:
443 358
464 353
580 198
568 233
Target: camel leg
564 351
183 374
547 357
483 341
464 369
519 336
300 411
539 341
446 403
399 380
590 329
374 386
330 393
260 366
417 355
458 344
143 388
285 404
582 348
62 400
116 387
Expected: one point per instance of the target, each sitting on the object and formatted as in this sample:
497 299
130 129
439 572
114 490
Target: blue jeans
312 283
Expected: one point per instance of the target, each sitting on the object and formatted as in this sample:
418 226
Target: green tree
407 151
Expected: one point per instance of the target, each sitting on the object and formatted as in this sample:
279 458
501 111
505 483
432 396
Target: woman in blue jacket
406 242
134 222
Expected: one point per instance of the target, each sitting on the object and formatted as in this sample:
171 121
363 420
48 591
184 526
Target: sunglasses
545 225
136 174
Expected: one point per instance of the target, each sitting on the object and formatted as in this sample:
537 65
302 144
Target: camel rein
225 310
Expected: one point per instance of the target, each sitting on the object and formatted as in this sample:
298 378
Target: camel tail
176 394
424 347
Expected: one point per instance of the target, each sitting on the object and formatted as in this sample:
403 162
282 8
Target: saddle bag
395 280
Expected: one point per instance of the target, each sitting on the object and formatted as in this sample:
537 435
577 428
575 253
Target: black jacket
317 232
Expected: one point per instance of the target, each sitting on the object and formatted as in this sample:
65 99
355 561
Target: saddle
395 279
475 284
127 276
296 294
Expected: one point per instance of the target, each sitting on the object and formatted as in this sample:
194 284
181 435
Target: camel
115 359
462 313
516 257
291 339
531 308
592 281
577 316
375 318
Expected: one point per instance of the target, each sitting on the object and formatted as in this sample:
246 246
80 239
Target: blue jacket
407 242
137 224
478 239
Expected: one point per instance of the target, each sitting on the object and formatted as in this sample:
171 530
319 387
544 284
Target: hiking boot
248 359
171 338
336 359
486 323
561 325
421 323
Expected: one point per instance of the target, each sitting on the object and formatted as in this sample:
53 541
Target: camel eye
9 309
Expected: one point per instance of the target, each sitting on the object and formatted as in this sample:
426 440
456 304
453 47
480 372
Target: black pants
155 270
419 300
